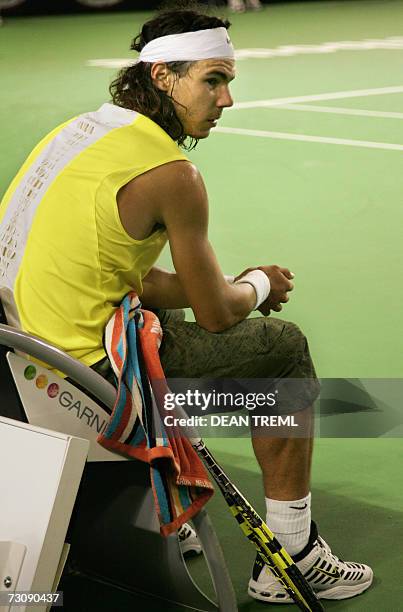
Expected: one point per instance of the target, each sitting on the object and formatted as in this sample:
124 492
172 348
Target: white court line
366 144
368 44
113 62
336 95
341 111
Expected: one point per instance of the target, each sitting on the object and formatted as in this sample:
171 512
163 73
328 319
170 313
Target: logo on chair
41 381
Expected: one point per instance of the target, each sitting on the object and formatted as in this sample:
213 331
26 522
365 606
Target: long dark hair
133 87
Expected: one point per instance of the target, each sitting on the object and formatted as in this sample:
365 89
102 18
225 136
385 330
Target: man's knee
296 337
287 342
287 356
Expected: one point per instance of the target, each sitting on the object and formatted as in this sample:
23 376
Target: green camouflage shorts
261 347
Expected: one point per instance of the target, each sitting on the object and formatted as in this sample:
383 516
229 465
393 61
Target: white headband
189 46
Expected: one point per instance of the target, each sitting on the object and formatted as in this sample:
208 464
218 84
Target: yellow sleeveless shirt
66 261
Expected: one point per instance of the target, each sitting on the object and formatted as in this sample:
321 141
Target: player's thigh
254 348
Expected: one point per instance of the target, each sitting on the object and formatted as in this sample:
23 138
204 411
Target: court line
367 144
335 95
341 111
368 44
113 62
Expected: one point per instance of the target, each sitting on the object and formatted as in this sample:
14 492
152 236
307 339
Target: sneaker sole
338 592
191 549
271 599
344 591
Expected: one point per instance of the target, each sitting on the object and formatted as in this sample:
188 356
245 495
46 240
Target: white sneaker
329 576
188 541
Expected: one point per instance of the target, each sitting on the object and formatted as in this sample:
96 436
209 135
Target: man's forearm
162 289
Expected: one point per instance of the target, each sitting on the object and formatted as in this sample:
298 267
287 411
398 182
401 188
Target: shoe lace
336 560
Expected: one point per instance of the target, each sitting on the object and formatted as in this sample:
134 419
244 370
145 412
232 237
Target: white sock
290 521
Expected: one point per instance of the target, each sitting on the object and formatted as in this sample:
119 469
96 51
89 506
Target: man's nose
225 100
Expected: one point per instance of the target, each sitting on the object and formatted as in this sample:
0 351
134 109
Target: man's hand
280 283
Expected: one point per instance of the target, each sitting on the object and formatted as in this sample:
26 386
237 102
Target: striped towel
179 480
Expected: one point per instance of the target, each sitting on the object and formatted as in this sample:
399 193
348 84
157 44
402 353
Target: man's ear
161 76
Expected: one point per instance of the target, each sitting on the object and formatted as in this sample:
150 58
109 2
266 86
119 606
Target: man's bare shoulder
174 176
172 186
173 193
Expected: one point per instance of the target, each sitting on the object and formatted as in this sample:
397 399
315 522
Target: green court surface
306 172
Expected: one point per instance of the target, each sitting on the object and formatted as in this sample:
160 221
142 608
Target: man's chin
200 134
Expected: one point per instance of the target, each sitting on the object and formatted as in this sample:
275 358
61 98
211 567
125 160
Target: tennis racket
256 530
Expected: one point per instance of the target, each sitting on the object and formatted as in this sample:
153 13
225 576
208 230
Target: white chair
113 534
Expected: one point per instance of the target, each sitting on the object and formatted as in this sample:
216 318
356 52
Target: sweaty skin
201 96
174 196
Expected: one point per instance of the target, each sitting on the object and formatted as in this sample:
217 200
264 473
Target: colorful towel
179 480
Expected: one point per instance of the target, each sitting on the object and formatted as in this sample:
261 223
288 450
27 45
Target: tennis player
85 220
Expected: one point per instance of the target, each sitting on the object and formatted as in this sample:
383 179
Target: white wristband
260 282
229 278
